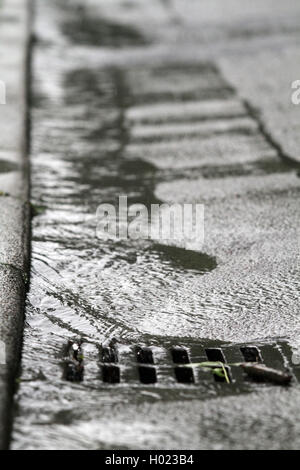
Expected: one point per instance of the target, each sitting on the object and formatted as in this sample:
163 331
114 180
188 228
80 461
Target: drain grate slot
73 364
180 355
218 378
111 374
251 354
147 374
110 370
109 355
144 355
184 375
215 355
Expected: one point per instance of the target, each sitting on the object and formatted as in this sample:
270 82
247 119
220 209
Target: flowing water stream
85 152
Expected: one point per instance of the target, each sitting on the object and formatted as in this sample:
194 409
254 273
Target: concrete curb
14 197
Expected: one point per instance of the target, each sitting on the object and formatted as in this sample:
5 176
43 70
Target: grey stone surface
14 232
12 295
13 180
14 205
252 220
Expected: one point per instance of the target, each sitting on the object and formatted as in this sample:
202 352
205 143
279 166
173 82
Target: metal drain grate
166 365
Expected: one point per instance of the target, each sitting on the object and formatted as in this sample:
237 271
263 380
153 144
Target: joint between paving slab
286 158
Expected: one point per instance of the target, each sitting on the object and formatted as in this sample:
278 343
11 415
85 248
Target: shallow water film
110 324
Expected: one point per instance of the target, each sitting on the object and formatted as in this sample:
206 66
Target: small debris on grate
261 373
74 366
224 376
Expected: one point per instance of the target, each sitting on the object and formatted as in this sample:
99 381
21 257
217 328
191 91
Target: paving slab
12 297
14 197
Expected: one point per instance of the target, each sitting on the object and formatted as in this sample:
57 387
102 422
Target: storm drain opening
238 365
144 355
111 374
180 356
251 354
215 355
184 375
73 363
110 355
147 374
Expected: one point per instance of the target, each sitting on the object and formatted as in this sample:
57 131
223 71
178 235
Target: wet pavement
117 109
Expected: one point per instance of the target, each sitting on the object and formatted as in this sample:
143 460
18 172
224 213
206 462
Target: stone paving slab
14 232
12 296
14 197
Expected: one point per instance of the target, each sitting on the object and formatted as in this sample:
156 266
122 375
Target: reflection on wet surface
85 152
6 166
183 258
82 28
